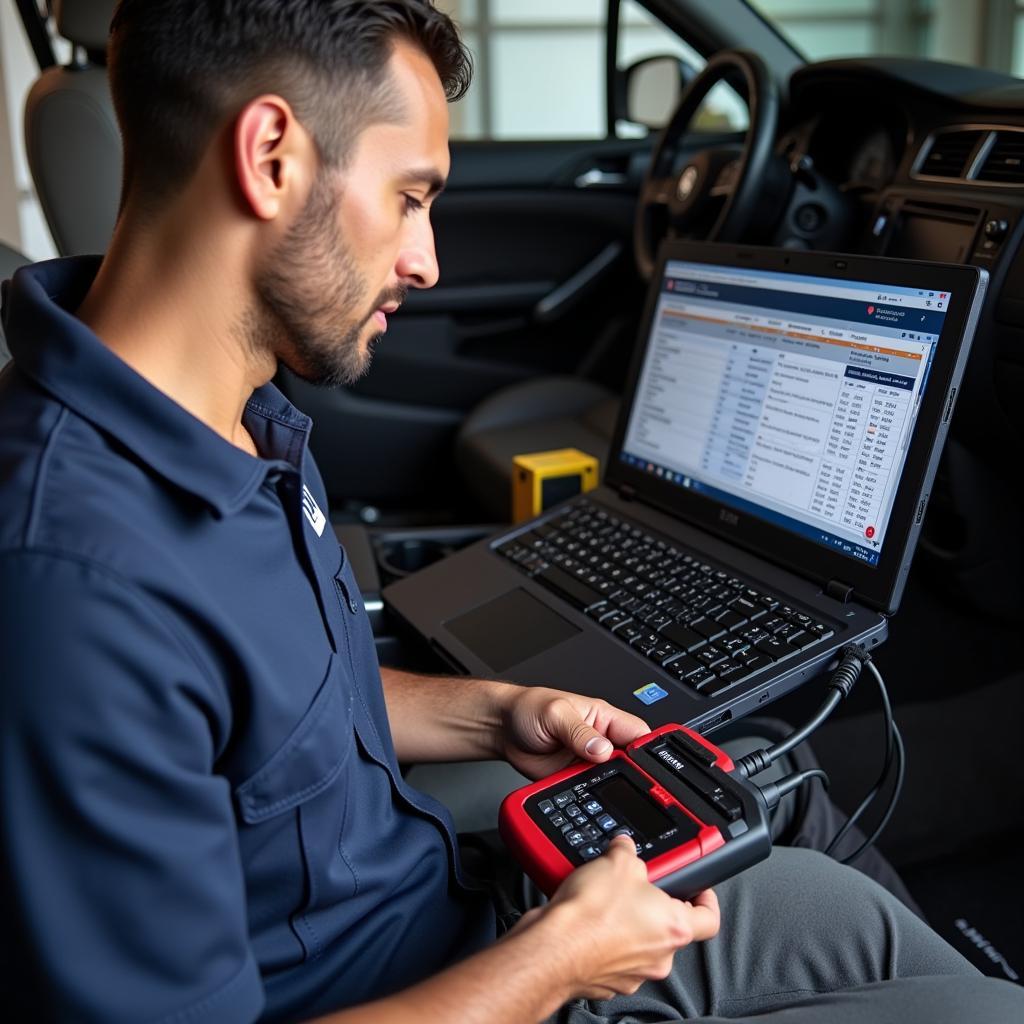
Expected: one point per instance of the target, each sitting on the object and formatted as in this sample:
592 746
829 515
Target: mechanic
203 814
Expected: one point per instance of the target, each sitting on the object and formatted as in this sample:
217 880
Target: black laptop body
771 466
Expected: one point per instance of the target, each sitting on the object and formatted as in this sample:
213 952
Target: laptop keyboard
701 623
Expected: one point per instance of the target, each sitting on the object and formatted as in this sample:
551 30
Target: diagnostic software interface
789 397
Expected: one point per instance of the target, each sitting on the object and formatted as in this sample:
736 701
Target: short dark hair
178 68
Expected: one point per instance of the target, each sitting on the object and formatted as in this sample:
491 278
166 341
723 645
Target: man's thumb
595 746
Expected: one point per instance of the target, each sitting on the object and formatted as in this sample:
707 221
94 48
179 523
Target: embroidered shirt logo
316 518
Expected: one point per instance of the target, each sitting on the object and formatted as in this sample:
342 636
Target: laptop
779 433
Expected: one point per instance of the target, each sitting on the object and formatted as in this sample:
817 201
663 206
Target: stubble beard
310 310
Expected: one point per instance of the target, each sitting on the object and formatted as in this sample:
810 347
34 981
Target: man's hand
617 929
605 933
544 730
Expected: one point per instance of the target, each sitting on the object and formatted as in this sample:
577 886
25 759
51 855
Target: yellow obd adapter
541 480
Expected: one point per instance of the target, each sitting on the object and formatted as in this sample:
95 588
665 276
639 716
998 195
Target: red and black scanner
695 820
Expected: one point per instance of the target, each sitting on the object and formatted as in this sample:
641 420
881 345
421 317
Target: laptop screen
788 397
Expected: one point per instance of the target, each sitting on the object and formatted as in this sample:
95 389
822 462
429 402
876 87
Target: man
203 815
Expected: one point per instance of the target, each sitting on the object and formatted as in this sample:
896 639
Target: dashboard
920 160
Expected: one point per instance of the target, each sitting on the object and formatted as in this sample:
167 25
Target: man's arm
537 729
606 931
441 718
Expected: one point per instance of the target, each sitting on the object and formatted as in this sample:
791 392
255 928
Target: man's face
362 240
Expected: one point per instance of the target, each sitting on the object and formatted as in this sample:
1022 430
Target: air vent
948 154
1005 160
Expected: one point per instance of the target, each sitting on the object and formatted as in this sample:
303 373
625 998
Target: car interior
547 239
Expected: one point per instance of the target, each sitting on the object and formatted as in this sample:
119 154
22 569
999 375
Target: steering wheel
716 195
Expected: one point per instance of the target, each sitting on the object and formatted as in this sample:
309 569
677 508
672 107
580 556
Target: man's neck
169 300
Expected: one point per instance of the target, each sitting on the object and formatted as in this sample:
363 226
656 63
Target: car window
642 35
986 35
528 52
525 53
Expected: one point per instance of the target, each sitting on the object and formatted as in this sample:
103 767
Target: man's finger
705 918
624 843
621 727
568 726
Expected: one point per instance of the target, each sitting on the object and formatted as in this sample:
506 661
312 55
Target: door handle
596 178
558 301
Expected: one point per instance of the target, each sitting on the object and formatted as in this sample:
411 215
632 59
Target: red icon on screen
871 310
869 532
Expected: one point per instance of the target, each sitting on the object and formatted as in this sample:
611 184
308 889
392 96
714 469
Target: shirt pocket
293 811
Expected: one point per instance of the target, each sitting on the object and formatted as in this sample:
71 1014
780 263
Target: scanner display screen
637 809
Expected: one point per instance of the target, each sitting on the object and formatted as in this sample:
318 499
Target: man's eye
412 204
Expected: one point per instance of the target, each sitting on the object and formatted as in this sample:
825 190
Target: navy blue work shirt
202 813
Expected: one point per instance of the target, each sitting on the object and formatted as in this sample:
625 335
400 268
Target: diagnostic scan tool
693 818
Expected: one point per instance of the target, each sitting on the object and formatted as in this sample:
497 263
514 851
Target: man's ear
271 151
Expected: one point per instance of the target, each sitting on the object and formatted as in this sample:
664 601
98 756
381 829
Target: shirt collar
66 358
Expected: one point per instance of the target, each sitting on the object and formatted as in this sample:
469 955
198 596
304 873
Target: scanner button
546 807
627 832
727 804
661 795
592 807
563 799
697 750
557 820
592 832
573 811
575 837
590 852
607 822
581 820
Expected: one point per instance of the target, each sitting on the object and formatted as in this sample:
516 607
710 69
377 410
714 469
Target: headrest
85 23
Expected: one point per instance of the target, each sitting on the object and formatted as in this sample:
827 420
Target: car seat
536 415
71 135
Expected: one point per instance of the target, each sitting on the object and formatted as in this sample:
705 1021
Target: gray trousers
805 939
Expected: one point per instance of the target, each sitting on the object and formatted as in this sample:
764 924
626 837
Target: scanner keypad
589 828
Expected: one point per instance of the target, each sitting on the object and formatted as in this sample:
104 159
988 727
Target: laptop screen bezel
876 586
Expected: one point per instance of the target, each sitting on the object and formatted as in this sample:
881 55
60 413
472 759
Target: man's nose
417 261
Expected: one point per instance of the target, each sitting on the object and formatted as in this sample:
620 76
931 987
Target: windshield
989 35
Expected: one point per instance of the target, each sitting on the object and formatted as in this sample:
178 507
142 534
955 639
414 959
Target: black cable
891 806
853 660
796 738
873 792
846 674
895 745
773 792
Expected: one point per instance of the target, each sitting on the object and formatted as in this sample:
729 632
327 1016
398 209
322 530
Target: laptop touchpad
510 629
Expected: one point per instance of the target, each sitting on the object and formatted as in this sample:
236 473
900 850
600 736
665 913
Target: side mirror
652 88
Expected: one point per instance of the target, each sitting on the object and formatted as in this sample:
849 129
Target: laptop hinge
626 492
838 590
